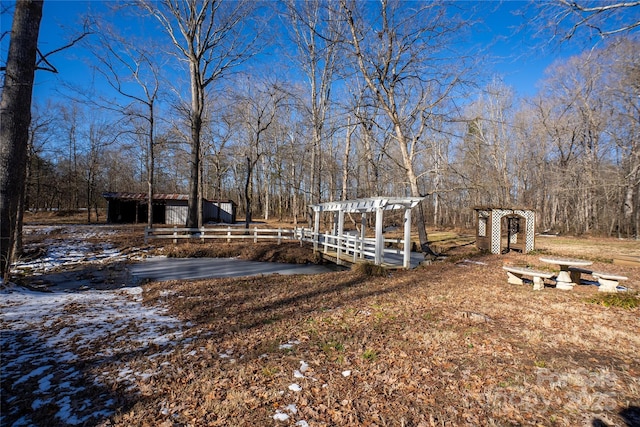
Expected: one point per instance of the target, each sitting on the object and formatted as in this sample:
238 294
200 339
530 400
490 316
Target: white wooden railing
347 246
228 233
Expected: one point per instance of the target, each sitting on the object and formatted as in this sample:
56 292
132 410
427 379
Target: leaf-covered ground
447 344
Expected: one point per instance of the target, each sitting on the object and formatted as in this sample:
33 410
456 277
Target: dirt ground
446 344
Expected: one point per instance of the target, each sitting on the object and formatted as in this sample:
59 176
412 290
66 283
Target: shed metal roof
156 196
143 196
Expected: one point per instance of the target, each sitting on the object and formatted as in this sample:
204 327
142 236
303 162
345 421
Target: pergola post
379 238
316 229
406 262
340 241
363 226
363 207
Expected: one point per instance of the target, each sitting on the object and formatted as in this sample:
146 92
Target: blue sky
517 57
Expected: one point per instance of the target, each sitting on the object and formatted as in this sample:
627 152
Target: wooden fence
229 234
345 248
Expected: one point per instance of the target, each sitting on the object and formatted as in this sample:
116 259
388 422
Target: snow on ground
53 342
56 346
71 246
63 352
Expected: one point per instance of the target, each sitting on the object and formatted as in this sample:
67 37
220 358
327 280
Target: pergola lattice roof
370 204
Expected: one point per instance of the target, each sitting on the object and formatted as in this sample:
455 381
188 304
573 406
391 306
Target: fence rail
345 246
228 233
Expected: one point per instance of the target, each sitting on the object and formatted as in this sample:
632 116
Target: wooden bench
514 276
608 282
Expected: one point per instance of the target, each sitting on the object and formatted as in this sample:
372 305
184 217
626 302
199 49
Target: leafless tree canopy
597 17
334 100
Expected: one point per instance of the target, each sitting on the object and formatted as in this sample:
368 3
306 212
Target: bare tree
39 133
622 96
396 50
208 35
313 30
218 131
602 18
487 147
15 117
71 117
257 111
588 110
99 136
371 144
122 62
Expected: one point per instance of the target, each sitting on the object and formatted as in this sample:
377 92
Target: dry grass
447 344
288 252
443 345
595 248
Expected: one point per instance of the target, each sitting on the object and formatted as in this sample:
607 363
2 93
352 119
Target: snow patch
288 345
295 387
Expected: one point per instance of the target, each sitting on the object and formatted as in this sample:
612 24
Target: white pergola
370 205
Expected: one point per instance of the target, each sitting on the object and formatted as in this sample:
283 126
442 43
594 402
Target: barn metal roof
156 196
143 196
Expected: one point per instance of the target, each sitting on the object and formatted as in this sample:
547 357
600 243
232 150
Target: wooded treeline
359 99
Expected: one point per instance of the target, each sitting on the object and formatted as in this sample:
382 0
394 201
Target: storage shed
127 208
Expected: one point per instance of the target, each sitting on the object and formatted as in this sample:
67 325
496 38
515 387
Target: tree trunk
345 160
15 116
407 159
150 168
247 193
194 215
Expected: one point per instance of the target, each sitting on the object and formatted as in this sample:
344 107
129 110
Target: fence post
355 248
202 234
255 235
326 241
229 234
175 234
279 235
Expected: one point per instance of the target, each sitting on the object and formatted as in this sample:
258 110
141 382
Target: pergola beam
370 204
364 206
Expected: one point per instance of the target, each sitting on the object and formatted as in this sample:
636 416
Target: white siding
218 211
176 214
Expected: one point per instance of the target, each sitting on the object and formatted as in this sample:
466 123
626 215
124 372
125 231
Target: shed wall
176 213
219 212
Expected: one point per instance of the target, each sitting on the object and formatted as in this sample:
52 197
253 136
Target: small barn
132 208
